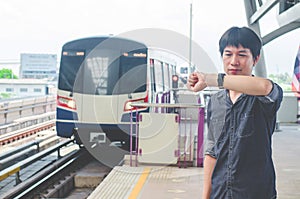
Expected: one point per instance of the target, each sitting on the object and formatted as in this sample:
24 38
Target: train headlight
66 102
72 104
128 107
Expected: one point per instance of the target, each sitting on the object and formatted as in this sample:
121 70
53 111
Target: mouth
234 71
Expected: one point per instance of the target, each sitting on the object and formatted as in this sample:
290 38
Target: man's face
238 61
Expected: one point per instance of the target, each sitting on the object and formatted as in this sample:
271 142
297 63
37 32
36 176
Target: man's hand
196 81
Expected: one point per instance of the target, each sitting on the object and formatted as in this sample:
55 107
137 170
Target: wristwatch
220 80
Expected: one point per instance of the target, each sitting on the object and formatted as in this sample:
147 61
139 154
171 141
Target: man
241 120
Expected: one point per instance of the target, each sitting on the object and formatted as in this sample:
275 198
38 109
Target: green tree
283 79
6 95
7 74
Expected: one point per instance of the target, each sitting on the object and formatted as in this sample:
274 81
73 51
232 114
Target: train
99 77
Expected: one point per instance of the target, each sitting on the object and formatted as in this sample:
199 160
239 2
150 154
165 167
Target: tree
283 79
7 74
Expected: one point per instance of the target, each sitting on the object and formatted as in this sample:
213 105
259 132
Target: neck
234 95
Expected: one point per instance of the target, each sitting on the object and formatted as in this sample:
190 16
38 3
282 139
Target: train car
99 78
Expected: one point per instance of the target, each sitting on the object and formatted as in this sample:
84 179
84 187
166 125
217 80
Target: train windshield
69 68
104 72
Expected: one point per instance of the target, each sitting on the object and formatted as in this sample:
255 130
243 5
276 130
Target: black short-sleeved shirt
239 137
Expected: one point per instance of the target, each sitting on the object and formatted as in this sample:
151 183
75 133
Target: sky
34 26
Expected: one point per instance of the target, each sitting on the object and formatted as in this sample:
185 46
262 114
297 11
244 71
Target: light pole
190 44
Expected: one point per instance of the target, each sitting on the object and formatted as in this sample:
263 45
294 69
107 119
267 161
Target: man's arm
245 84
209 165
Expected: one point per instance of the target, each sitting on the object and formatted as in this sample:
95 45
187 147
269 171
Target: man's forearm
240 83
209 165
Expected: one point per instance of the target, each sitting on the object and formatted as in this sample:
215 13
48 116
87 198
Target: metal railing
19 108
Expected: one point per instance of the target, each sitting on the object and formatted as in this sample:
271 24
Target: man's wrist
220 80
211 80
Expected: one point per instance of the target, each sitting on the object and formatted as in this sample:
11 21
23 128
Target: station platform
169 182
150 182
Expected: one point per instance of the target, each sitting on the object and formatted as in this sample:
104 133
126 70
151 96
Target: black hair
243 36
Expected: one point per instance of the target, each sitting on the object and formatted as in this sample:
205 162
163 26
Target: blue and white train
99 78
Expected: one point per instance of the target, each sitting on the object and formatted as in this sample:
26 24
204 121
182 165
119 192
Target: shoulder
218 96
218 100
276 93
274 98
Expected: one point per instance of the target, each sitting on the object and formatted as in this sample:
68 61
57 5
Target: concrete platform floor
286 156
187 183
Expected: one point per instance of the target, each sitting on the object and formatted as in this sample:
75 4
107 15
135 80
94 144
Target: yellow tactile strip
139 185
122 182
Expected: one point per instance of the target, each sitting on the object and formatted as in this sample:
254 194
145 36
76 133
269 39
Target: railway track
37 164
32 170
25 132
56 180
23 178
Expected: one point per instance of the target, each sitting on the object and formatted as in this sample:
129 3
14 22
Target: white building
38 66
24 87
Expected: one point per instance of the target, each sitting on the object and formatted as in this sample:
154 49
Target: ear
256 60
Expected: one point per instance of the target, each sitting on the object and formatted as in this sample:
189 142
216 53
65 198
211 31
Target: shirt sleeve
274 97
210 141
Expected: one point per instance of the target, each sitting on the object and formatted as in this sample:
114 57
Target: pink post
200 137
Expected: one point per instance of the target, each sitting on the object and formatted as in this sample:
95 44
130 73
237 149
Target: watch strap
220 80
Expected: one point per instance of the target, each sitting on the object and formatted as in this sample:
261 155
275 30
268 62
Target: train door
111 81
100 77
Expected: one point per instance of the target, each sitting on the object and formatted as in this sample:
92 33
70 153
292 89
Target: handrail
162 105
15 109
22 107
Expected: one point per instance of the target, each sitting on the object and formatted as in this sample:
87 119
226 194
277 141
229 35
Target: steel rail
21 152
41 177
15 169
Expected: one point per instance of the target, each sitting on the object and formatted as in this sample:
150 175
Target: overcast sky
35 26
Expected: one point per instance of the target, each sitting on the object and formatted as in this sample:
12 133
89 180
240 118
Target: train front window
98 67
69 68
111 72
133 72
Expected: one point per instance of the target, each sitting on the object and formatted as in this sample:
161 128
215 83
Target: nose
234 60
